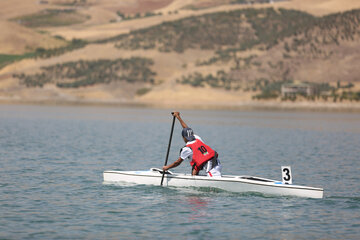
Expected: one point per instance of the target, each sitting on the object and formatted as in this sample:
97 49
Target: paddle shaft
168 150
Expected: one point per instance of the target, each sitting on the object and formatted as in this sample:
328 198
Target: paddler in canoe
199 155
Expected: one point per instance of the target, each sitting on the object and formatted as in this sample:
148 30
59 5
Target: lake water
52 159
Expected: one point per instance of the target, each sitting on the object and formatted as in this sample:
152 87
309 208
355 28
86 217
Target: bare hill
17 39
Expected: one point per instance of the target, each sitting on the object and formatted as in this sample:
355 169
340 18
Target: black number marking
202 149
287 173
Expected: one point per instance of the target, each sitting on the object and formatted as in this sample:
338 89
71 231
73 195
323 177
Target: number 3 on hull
286 174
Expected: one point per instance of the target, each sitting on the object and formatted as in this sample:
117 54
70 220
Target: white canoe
230 183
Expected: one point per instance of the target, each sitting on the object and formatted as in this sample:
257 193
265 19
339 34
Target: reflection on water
198 207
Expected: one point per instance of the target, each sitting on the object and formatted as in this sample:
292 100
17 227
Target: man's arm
194 172
177 115
174 164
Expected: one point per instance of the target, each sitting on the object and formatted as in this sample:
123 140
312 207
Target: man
200 155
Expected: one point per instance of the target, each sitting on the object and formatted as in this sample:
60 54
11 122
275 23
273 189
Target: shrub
86 73
143 91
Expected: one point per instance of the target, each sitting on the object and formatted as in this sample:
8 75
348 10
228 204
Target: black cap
188 134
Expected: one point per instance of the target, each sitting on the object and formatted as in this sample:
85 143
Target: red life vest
201 153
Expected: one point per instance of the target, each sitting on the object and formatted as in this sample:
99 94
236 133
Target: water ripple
52 159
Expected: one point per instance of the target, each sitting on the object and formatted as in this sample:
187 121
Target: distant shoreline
237 106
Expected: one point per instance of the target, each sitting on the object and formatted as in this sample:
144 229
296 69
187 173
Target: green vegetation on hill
52 18
229 32
331 29
204 5
303 37
248 1
220 80
6 59
234 30
87 73
324 91
350 95
267 89
51 52
72 3
125 17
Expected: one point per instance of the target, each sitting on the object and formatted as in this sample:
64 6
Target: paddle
168 150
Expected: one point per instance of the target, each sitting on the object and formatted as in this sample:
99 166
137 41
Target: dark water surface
52 159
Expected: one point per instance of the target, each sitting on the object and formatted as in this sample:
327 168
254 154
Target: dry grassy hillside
201 51
103 16
17 39
104 21
322 7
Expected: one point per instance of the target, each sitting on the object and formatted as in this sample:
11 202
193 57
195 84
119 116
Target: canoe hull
230 183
